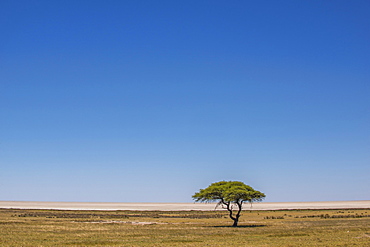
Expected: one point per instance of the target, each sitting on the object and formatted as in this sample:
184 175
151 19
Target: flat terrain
304 227
178 206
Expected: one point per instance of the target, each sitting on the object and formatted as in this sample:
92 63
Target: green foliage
228 192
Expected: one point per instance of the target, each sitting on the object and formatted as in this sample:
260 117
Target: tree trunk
236 218
230 209
235 222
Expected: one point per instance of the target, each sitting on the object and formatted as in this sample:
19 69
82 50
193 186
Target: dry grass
194 228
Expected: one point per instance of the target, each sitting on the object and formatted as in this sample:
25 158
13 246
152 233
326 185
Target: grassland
21 227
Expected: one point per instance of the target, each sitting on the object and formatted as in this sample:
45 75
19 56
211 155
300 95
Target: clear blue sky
150 101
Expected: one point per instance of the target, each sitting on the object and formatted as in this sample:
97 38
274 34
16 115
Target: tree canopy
229 194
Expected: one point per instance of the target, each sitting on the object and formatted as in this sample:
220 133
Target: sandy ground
179 206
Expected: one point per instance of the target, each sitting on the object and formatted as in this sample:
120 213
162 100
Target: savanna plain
334 227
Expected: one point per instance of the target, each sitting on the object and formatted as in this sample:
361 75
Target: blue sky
149 101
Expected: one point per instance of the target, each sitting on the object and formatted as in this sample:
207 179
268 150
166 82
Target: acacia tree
229 194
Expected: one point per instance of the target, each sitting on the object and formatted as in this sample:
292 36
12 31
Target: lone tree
229 194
